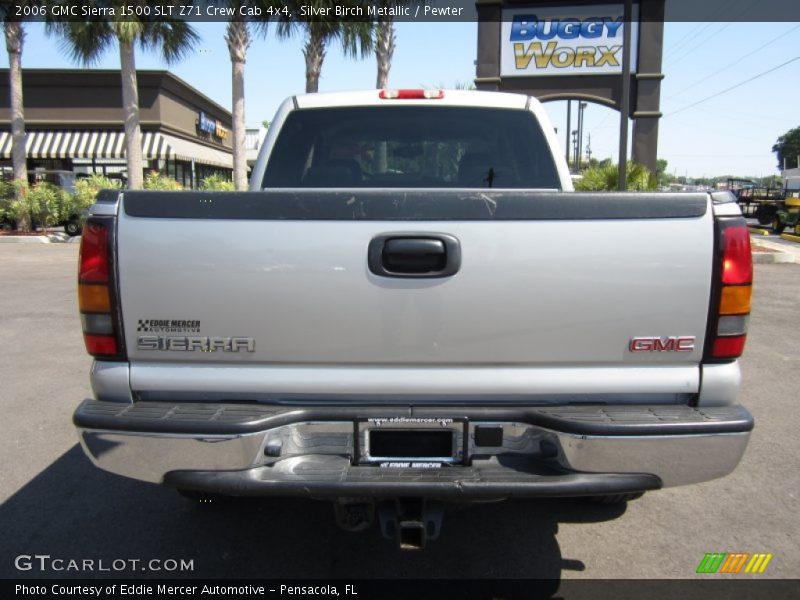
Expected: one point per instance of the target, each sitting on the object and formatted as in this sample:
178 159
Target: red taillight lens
729 347
94 253
737 261
729 317
96 297
411 94
100 345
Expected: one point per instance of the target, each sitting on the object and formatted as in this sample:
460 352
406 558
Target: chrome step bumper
250 449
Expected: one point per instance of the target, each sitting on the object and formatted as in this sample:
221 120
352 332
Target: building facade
74 123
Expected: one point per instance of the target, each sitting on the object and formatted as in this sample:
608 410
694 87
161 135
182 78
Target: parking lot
55 502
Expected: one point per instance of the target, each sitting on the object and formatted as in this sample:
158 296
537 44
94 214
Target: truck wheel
72 228
777 226
616 498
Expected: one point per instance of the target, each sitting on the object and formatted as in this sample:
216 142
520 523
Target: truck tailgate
546 282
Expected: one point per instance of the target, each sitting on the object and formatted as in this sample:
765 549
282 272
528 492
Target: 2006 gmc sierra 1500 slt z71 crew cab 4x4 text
391 318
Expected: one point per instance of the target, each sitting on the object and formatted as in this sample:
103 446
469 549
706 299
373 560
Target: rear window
411 147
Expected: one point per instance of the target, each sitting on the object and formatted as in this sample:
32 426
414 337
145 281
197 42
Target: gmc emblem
672 343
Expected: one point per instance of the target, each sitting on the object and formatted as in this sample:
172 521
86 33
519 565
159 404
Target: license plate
409 441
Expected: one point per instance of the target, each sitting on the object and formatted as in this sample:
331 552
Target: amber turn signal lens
735 300
93 298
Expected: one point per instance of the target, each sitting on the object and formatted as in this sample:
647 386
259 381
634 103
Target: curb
791 237
762 258
24 239
758 230
52 238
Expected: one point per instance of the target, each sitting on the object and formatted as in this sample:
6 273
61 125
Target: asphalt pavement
55 502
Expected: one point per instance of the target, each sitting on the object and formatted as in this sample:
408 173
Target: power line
683 39
700 45
733 87
691 36
735 62
704 41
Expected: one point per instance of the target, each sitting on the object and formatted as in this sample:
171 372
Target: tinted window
411 147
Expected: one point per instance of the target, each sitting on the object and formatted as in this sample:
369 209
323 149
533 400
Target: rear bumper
318 451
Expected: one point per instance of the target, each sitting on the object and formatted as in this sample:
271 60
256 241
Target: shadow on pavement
74 511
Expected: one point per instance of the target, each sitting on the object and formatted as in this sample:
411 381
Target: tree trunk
314 52
239 150
15 38
384 50
130 103
238 39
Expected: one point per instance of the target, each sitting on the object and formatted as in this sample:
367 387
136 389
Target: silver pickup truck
411 306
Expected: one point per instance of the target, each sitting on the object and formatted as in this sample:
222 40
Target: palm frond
357 39
260 25
83 41
9 10
176 38
603 177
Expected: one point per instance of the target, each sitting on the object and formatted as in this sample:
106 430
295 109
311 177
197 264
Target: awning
186 150
111 145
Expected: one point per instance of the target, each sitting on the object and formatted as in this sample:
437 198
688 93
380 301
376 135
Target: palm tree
237 36
86 41
15 39
384 50
384 45
354 36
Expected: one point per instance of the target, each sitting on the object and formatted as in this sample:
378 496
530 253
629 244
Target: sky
730 133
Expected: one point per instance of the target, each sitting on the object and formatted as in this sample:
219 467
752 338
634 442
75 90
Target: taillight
94 253
97 303
734 280
411 94
737 260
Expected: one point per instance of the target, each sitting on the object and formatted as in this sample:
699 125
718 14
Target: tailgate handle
414 255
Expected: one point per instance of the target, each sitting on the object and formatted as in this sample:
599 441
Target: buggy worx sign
575 50
564 40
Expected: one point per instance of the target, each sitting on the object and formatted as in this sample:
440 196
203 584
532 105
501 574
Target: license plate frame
457 426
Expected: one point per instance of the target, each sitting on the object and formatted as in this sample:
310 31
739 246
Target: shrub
158 181
603 177
12 213
6 190
6 197
86 190
217 182
43 203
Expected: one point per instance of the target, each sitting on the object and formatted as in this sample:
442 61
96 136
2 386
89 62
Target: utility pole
626 96
575 148
569 116
589 148
581 107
